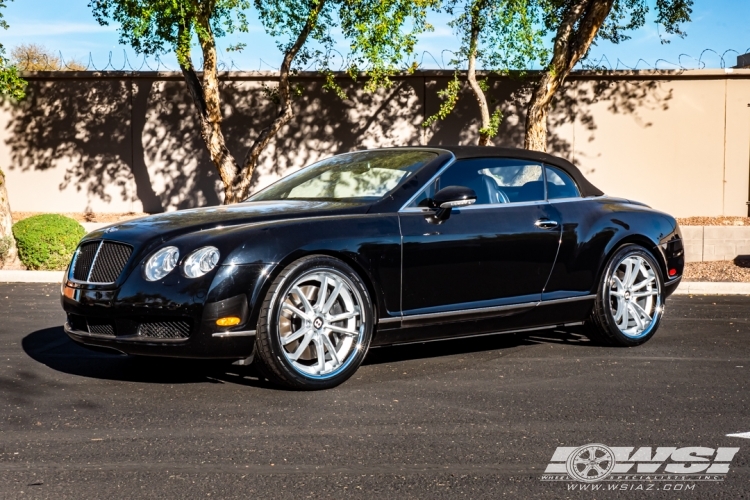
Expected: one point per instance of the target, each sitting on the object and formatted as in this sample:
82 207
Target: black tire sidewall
267 323
605 319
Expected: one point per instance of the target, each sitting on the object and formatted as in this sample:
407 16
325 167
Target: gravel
722 270
714 221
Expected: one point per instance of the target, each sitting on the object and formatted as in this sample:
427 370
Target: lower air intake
102 329
165 330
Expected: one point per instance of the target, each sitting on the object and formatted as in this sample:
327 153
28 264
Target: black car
373 248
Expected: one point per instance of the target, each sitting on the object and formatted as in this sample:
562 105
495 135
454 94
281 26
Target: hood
163 227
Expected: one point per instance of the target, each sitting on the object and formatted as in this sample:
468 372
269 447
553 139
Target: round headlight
161 263
200 262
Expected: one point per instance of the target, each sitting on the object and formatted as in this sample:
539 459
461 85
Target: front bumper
226 347
175 317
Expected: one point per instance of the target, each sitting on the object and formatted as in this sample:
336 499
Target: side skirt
486 321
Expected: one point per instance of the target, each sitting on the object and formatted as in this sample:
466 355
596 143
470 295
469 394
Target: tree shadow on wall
572 107
140 135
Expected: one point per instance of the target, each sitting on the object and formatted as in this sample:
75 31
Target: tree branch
285 114
575 34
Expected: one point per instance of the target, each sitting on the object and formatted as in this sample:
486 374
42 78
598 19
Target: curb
685 288
31 276
712 288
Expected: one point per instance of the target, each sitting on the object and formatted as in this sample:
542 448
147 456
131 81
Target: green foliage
47 242
625 16
511 36
494 125
238 47
374 29
504 36
449 97
11 84
159 26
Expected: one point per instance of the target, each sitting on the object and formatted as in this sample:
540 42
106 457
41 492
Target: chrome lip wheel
321 323
634 296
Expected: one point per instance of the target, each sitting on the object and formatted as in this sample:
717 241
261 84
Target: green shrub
47 241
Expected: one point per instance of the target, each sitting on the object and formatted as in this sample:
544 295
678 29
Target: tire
628 307
300 342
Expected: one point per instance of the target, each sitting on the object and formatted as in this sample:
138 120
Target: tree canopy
506 36
11 84
501 36
381 35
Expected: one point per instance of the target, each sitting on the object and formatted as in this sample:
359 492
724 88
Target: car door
495 253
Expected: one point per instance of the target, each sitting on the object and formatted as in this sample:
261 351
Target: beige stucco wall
121 142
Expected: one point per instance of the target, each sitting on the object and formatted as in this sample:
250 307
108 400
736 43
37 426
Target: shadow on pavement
53 348
390 354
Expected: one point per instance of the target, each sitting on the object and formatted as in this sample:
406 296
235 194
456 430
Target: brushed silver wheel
635 296
321 323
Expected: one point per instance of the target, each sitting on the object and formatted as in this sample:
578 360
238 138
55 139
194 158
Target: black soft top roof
462 152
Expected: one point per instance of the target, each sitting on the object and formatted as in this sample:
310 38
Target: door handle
546 224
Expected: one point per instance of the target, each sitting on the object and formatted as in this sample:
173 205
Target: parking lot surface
472 418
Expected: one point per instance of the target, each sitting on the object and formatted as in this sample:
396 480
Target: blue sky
67 26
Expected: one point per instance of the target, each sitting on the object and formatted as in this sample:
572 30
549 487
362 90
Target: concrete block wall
692 240
711 243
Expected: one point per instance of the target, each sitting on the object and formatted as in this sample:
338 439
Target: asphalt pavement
473 418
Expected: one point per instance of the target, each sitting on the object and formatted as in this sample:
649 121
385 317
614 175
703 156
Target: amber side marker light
228 321
672 272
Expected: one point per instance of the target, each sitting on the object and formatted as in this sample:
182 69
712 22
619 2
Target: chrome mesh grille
101 262
165 329
85 259
110 262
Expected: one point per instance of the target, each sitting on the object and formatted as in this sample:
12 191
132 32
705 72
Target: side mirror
450 197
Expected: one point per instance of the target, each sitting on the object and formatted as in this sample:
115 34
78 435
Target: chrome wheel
321 323
590 463
634 296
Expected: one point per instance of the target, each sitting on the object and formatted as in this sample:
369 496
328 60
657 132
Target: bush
47 241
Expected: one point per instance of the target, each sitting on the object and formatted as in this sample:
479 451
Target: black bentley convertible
372 248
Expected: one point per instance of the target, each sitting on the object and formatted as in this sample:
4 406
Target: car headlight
161 263
201 261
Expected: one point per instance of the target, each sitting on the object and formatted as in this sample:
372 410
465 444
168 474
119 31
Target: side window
423 199
494 180
517 180
560 185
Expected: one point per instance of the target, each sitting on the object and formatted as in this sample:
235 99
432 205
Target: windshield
360 176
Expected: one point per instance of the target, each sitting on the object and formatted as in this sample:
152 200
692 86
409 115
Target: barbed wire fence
45 62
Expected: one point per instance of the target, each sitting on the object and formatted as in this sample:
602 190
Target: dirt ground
723 270
85 216
714 221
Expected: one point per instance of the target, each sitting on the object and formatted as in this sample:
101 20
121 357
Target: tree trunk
484 111
244 179
574 36
8 250
237 179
